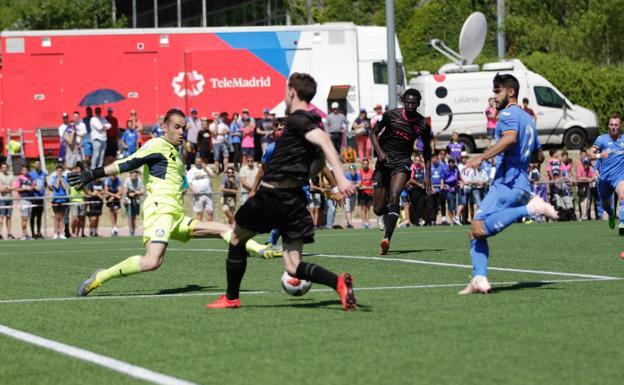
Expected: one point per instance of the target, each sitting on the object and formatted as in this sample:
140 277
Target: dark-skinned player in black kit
280 202
393 139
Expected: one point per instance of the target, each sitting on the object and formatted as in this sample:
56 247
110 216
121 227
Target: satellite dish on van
472 37
471 40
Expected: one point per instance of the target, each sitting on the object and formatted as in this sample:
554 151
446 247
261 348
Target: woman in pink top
585 175
491 113
247 142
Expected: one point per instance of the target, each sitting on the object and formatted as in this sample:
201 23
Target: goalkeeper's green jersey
163 175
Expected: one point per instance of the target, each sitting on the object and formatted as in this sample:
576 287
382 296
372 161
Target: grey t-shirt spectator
336 122
194 127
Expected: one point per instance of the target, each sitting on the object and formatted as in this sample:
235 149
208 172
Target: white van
456 97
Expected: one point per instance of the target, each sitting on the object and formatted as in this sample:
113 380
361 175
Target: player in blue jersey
609 149
509 197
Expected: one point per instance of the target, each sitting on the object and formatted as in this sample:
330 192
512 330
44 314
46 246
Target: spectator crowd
224 151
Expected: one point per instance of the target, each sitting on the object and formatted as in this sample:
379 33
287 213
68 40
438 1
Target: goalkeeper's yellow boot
88 285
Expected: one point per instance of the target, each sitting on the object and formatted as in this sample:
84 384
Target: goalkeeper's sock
129 266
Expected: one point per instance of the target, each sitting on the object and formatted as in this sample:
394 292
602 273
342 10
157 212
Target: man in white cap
336 125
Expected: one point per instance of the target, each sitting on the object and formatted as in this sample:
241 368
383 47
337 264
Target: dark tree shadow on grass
521 286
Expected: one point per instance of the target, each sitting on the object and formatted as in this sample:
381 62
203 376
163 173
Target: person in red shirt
525 107
365 193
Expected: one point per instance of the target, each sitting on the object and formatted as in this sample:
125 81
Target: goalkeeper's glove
84 176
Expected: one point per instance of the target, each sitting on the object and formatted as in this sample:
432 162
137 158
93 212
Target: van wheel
575 138
468 142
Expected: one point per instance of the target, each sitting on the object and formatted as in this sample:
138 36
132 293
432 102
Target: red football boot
223 303
384 246
345 291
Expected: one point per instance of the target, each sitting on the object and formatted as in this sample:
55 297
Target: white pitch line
432 263
94 358
263 292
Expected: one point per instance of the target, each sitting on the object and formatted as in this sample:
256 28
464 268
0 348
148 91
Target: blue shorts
87 148
501 197
606 187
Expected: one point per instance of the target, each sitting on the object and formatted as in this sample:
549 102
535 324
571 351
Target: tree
57 14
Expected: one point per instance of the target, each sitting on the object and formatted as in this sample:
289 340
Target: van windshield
548 97
380 73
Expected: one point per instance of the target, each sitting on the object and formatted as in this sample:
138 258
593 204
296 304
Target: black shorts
383 173
113 204
365 200
283 209
94 208
59 207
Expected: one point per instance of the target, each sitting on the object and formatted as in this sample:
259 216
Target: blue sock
621 212
274 237
496 222
479 253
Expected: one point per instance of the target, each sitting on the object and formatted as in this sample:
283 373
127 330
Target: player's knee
150 263
379 210
477 230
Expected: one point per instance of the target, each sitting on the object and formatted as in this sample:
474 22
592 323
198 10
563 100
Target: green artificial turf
530 330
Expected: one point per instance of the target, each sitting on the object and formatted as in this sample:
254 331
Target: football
295 286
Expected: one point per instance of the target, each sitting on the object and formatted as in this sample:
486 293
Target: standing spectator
537 185
77 209
421 204
365 193
265 129
455 148
585 175
438 169
138 125
336 126
199 183
595 204
235 139
157 130
99 126
81 133
194 126
452 183
204 142
112 190
129 139
356 179
378 115
94 201
24 186
316 199
491 114
245 114
525 107
133 189
362 128
247 176
247 143
7 183
87 145
60 192
112 137
72 146
218 131
61 132
229 188
38 177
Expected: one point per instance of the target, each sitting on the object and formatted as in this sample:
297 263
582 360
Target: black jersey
294 154
398 135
